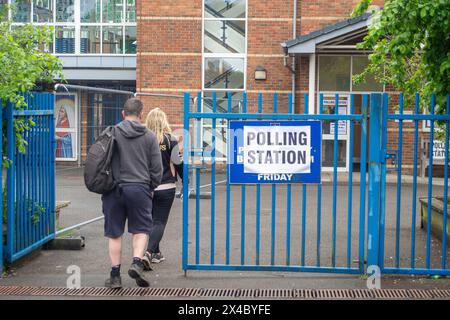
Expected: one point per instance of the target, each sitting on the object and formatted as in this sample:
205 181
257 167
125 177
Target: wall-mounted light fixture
260 73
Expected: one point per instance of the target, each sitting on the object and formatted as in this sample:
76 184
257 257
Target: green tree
22 65
410 40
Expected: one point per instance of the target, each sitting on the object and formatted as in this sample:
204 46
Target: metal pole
82 224
374 179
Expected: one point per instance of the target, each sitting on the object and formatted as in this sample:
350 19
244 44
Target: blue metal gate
259 247
30 191
227 232
427 256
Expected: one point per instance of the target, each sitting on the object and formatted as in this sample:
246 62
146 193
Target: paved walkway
49 268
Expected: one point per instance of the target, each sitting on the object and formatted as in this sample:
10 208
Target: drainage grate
337 294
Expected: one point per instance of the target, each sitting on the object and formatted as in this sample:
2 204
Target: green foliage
361 8
410 40
22 65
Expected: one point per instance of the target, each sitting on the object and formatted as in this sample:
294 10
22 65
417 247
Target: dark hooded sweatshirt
138 158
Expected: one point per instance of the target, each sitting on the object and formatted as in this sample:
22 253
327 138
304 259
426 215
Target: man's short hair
133 107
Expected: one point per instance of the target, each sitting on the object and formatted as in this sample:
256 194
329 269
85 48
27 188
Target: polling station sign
274 152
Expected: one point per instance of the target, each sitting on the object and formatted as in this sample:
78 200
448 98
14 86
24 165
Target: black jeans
162 203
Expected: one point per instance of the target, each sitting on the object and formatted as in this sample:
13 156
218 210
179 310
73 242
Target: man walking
137 169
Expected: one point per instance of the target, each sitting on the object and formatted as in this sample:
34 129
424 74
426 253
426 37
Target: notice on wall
274 152
438 150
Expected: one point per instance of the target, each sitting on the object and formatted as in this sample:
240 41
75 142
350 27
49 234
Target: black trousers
162 203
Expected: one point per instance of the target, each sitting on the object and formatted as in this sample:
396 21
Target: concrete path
48 268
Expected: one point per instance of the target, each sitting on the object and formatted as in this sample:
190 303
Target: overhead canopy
339 37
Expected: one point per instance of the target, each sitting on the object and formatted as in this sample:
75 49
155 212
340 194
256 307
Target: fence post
373 233
186 154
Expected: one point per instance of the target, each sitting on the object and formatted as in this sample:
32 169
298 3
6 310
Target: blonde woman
164 195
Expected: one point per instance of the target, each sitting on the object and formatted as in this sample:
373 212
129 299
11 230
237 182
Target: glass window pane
43 11
328 153
65 40
131 11
22 9
112 11
90 11
370 84
225 8
65 10
112 40
222 36
224 73
90 39
334 73
130 40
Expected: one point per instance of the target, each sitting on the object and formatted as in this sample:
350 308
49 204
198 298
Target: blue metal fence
249 252
258 226
434 260
30 197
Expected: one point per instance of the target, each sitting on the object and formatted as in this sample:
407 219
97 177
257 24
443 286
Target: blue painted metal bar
288 203
319 202
362 190
374 179
279 268
417 271
213 182
53 166
335 165
274 200
384 125
10 184
20 215
399 184
435 117
34 181
350 186
414 186
304 193
281 116
186 160
243 194
430 184
27 113
197 183
445 213
34 246
258 198
228 191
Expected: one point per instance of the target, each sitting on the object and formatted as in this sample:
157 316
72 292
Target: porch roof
336 37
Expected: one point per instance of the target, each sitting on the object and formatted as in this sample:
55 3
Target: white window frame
77 25
341 93
206 55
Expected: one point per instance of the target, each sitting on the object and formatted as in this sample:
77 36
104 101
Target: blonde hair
156 121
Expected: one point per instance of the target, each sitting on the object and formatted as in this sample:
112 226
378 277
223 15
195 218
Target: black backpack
98 175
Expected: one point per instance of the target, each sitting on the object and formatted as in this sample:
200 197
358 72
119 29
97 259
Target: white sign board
438 150
277 149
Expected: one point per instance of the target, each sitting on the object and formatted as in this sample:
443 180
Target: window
225 45
335 74
90 11
43 11
82 26
224 65
90 39
369 84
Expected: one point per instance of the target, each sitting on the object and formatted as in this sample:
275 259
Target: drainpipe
294 31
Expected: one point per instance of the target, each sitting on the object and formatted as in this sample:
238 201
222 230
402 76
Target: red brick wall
170 52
